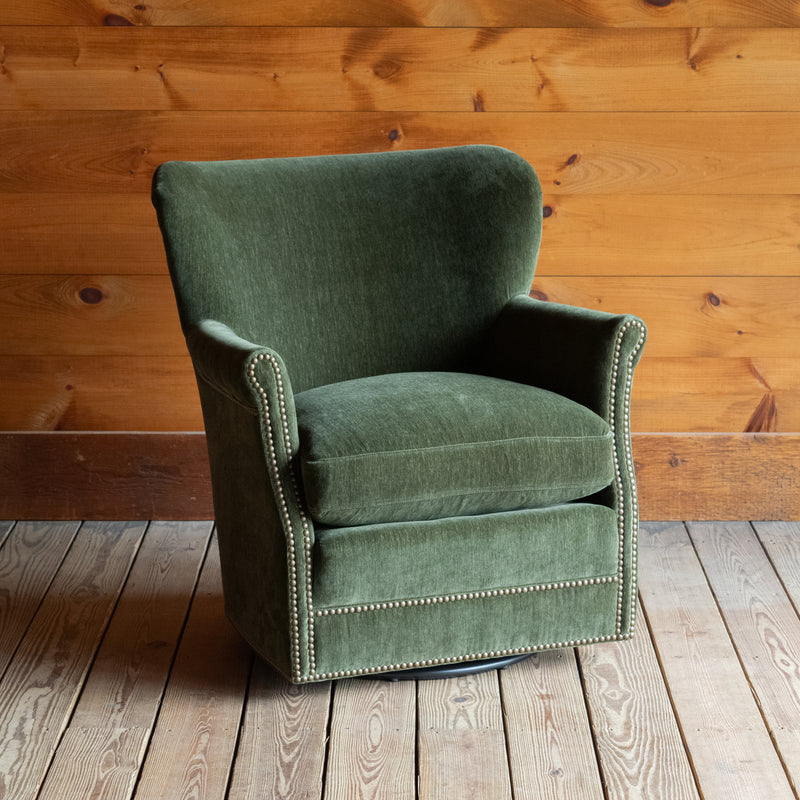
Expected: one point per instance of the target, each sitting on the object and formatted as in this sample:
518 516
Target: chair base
450 670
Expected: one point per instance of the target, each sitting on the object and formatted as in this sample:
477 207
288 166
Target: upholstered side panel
253 551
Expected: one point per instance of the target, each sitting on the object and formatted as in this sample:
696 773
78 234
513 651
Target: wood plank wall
665 133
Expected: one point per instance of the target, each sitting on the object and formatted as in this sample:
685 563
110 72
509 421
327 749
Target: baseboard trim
165 476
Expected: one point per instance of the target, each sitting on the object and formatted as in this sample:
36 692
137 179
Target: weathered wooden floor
120 678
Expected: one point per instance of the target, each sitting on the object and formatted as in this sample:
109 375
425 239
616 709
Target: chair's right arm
265 537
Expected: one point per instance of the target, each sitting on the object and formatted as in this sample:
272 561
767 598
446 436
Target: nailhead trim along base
450 598
294 579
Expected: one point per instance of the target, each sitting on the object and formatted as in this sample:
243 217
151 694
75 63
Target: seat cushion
429 445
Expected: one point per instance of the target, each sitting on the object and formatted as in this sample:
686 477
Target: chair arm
244 372
583 354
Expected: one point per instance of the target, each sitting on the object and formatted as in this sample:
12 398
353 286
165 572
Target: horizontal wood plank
706 395
139 393
135 315
670 235
718 476
573 152
99 393
165 476
96 476
506 13
400 69
117 234
720 317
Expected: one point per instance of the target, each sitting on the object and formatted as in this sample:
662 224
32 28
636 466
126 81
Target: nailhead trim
450 598
434 662
284 510
628 454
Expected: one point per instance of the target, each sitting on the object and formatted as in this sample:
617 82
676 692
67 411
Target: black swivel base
451 670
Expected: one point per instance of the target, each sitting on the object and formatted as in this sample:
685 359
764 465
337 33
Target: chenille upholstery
414 463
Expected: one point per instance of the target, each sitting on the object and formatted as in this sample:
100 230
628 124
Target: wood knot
712 299
478 103
387 69
395 134
547 211
538 294
90 295
658 3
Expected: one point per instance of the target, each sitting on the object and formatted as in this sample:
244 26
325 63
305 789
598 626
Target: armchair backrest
352 265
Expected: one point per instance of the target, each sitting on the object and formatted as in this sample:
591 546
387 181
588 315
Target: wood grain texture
461 742
731 752
80 232
138 393
135 315
116 234
97 476
97 763
718 476
670 235
573 152
549 744
281 751
700 317
506 13
193 743
130 670
703 395
400 69
635 731
101 314
29 558
46 674
781 540
165 475
371 751
763 625
99 393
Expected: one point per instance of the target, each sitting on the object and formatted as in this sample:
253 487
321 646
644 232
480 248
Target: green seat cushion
430 445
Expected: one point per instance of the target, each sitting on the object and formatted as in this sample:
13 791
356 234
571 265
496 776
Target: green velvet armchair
414 463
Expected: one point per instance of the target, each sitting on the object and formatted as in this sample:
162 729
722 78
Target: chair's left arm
588 356
265 537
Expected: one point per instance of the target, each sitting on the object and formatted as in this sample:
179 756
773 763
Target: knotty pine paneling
108 393
115 233
638 153
134 315
665 135
422 13
400 69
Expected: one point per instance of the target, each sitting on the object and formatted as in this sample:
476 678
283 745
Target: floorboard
120 679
